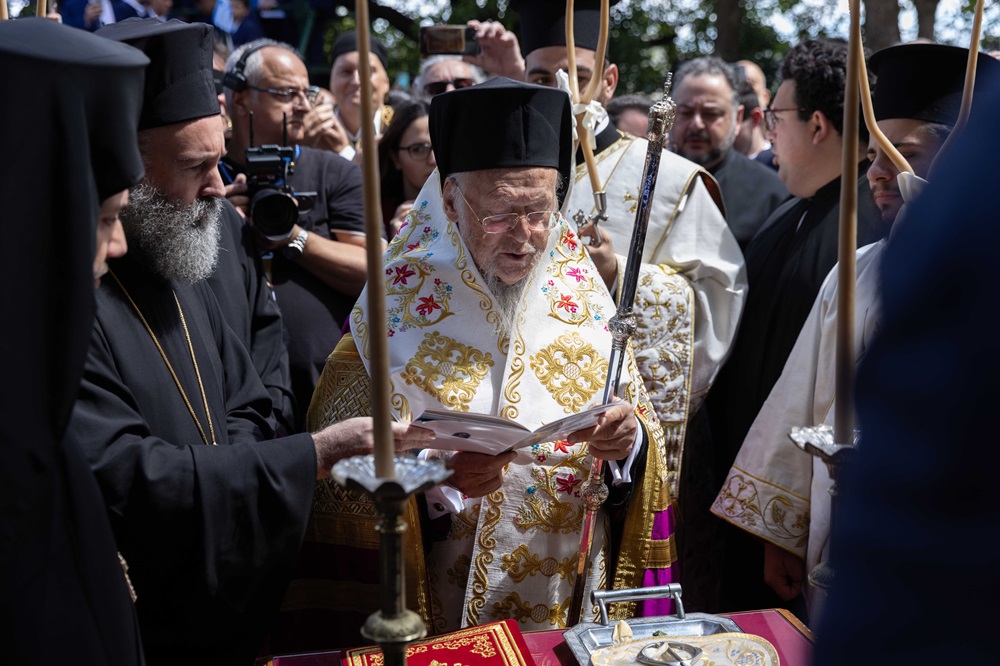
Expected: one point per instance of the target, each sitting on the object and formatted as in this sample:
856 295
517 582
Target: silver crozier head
661 116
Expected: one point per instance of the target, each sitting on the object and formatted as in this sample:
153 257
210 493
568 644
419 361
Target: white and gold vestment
512 553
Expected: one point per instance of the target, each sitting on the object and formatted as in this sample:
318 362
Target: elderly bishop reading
493 306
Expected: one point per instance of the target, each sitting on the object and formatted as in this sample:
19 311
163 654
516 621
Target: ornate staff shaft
622 326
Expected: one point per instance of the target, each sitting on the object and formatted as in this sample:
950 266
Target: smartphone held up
448 39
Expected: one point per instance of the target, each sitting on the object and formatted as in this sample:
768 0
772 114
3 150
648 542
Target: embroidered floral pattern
522 563
568 484
523 611
413 299
663 339
765 510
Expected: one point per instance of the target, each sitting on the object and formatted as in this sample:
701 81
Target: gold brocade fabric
510 554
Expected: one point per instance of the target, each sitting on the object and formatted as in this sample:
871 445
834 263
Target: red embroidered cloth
494 644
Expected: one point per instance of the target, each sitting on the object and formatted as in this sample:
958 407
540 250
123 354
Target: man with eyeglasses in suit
319 268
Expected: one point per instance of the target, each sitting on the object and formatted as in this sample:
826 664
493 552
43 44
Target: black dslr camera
273 206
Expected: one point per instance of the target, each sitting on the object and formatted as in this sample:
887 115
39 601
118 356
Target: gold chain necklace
173 374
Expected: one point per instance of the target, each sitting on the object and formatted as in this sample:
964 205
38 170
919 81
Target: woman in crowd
406 160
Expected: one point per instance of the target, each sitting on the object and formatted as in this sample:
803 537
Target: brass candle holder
393 626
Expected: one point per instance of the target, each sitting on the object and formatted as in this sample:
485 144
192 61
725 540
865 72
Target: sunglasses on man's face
439 87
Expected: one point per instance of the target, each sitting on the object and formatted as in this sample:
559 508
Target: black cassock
210 532
751 192
63 597
255 318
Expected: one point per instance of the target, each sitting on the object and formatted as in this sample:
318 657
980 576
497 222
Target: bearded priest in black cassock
209 510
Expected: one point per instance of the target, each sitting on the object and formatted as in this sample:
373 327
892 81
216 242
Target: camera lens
274 212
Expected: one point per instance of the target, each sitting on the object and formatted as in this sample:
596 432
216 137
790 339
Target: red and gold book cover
494 644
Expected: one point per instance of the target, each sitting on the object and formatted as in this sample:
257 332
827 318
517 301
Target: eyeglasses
771 119
538 220
438 87
418 151
286 95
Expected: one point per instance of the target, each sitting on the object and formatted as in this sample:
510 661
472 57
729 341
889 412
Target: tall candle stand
819 442
393 626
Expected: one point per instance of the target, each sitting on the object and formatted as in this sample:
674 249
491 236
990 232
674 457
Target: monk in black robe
63 594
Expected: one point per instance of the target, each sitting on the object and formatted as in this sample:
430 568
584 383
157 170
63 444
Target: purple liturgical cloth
663 528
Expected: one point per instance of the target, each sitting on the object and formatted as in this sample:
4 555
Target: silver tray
586 637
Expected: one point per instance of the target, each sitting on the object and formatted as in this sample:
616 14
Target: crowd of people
196 347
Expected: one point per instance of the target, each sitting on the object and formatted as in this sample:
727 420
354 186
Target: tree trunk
926 14
728 16
881 24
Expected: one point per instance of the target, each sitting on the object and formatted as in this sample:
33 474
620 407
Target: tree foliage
651 37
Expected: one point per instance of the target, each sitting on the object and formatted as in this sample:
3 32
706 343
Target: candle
843 429
385 465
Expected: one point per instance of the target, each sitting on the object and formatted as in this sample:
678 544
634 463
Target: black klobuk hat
543 23
502 123
179 81
924 81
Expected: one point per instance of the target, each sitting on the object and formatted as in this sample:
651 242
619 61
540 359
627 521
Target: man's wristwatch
295 249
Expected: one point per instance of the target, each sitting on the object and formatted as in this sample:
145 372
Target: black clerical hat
96 83
179 83
543 23
348 42
924 81
502 123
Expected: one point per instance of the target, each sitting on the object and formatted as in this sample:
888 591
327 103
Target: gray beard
178 242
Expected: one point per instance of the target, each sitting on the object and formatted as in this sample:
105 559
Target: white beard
506 300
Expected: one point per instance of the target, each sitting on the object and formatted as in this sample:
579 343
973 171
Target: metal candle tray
586 637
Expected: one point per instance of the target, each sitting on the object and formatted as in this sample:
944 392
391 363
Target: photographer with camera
316 242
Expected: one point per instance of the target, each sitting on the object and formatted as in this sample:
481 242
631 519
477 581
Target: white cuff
441 499
348 153
621 471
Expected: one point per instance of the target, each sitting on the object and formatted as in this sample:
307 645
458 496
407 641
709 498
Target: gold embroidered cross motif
571 370
447 370
522 563
513 606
